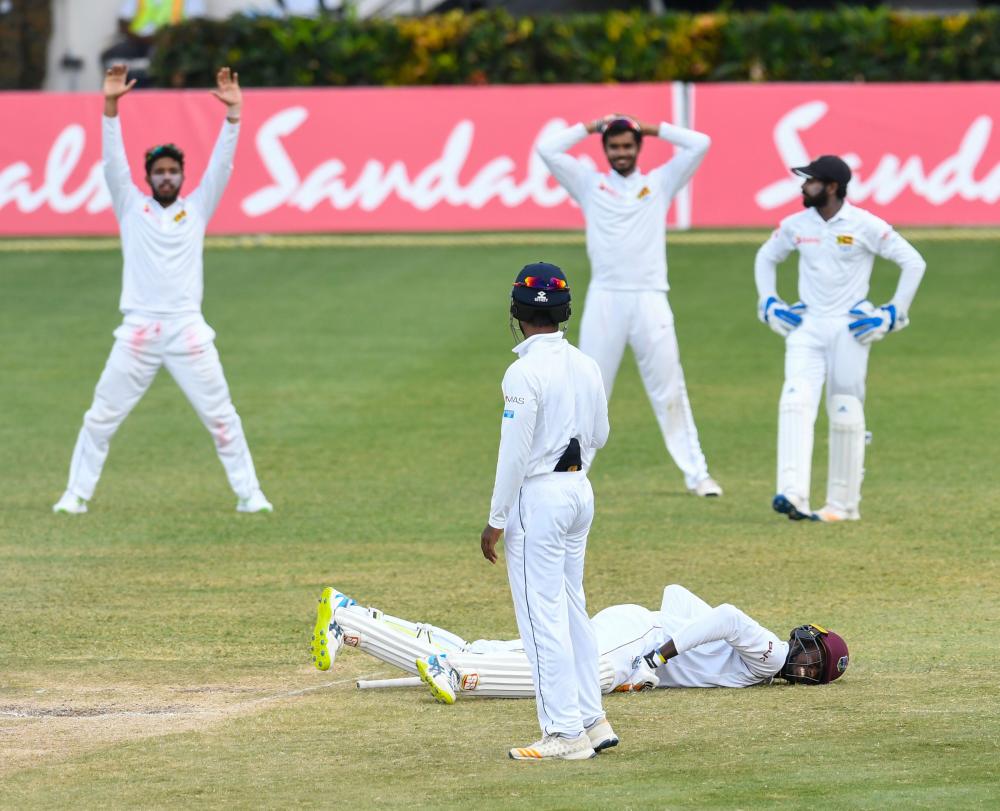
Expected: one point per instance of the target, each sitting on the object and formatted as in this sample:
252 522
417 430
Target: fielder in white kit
625 213
162 283
555 415
829 332
686 643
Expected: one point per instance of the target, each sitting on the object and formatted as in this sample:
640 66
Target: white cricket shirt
552 393
836 258
162 274
626 217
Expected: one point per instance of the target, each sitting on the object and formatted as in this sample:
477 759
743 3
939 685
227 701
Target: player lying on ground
162 281
687 643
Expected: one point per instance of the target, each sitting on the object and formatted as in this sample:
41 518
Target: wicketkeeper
829 332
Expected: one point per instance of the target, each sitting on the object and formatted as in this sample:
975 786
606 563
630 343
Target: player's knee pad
846 410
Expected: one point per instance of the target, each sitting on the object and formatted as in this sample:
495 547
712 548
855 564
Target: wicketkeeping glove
874 323
779 316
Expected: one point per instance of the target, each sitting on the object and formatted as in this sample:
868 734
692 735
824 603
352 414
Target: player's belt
570 461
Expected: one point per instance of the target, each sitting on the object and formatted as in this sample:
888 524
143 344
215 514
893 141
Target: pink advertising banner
415 159
922 154
453 159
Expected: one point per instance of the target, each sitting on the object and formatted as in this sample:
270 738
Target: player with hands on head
162 283
625 213
555 416
829 332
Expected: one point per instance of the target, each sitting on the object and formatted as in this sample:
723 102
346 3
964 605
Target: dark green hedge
493 47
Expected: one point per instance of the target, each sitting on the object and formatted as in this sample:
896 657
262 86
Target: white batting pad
507 675
847 453
796 420
392 645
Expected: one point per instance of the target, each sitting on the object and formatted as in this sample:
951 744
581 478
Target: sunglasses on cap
538 283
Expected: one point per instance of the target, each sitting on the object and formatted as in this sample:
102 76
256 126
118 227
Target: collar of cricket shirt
543 337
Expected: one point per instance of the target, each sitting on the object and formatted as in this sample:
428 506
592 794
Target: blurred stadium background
155 653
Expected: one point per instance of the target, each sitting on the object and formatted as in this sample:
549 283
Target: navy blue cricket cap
828 168
541 285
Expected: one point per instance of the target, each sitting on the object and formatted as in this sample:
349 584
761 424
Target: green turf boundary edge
397 240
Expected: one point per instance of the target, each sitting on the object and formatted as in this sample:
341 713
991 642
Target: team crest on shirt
180 215
644 193
845 239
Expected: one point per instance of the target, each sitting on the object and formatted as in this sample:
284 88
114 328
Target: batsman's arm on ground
890 245
691 148
517 430
765 266
114 162
219 169
570 172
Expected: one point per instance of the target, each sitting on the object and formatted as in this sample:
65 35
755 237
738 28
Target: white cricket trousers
644 321
822 351
545 542
185 346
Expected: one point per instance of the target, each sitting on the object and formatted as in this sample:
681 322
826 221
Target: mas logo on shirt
645 192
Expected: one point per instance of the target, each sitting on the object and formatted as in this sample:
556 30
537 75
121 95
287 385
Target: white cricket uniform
552 394
836 257
719 647
163 325
626 302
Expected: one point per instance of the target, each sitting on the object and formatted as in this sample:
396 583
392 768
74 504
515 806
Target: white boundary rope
499 239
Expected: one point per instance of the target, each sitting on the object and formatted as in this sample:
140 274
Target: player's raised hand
227 88
116 83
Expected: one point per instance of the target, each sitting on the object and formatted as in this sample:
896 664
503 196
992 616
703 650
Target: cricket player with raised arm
162 280
686 643
829 332
555 415
626 213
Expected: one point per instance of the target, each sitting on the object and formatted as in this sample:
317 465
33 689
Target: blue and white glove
873 323
779 316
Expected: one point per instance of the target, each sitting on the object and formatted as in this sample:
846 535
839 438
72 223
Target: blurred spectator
138 21
25 29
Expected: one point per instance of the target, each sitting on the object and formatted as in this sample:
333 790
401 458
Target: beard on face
166 190
816 200
623 165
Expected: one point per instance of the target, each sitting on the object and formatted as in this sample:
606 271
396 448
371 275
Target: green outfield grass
155 652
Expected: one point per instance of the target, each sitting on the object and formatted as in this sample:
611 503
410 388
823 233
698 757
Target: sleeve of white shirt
691 149
572 173
602 428
220 167
517 429
771 254
115 164
888 244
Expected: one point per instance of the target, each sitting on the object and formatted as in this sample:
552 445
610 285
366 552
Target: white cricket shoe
438 674
830 515
601 735
256 503
552 747
328 637
70 504
707 488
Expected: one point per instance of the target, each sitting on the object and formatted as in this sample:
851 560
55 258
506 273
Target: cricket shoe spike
784 505
438 674
327 636
256 502
707 488
70 504
831 515
553 747
601 735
